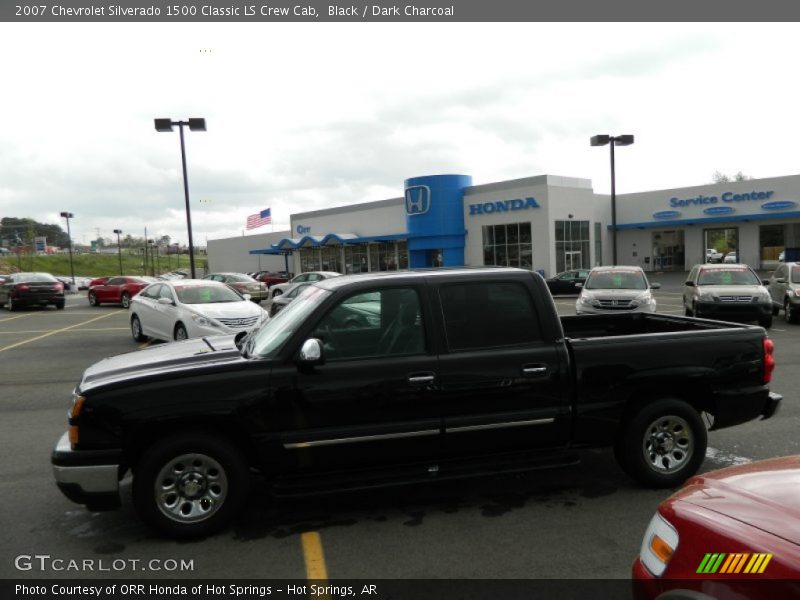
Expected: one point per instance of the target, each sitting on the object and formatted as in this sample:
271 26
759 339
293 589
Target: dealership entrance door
668 250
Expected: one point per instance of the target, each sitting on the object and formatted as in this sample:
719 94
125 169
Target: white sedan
190 308
307 277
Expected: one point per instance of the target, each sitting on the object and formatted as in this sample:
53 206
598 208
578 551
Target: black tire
60 305
663 444
694 311
765 322
126 300
92 297
180 333
687 312
136 330
190 484
789 313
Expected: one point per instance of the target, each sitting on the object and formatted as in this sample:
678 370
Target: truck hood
613 294
171 357
762 495
733 290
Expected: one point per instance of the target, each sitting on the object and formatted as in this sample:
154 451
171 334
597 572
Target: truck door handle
537 370
421 378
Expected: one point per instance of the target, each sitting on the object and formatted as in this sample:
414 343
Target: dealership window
772 241
722 242
382 257
309 260
402 254
508 245
355 259
572 245
330 257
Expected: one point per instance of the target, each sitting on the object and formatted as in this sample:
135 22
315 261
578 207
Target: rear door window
488 315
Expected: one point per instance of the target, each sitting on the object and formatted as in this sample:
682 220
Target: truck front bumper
89 477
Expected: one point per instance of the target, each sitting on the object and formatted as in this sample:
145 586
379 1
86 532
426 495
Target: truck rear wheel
663 444
190 485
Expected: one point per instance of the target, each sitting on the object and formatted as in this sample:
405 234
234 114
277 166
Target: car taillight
22 287
769 359
58 287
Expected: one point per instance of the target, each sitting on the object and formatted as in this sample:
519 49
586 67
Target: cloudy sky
303 116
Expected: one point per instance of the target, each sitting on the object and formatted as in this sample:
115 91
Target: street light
119 248
619 140
68 216
165 125
151 243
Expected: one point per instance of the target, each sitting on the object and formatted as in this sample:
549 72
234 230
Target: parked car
270 278
614 290
782 256
282 300
727 292
190 308
566 282
452 372
713 256
784 289
242 284
98 281
117 290
731 258
732 533
308 277
31 289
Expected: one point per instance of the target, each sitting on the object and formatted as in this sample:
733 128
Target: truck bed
601 326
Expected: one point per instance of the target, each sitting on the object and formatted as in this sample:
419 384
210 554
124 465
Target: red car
727 534
98 281
117 290
269 278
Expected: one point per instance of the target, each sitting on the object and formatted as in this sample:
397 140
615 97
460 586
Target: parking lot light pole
119 248
165 125
611 140
68 216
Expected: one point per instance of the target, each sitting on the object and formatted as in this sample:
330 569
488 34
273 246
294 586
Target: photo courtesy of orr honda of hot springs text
397 377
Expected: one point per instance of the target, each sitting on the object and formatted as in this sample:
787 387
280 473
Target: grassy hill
94 265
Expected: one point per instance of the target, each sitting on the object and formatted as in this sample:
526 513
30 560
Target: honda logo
418 199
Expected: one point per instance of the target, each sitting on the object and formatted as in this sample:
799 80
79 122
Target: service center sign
725 197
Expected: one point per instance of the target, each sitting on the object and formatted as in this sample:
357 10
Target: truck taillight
769 359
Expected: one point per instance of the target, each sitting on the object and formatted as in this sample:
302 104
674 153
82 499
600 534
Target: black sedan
31 289
564 283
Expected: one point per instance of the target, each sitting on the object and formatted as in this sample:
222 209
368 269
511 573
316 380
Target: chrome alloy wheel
668 444
190 488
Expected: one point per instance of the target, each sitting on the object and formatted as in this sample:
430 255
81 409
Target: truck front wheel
663 444
190 485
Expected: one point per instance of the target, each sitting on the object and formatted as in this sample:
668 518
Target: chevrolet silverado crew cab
372 380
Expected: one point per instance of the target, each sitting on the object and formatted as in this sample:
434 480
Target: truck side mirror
780 280
765 281
579 285
690 283
311 353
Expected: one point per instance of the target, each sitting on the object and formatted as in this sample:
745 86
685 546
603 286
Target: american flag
259 219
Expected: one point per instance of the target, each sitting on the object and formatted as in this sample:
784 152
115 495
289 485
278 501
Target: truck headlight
706 296
586 300
642 300
659 544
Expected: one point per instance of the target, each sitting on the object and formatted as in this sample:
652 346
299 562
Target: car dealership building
546 223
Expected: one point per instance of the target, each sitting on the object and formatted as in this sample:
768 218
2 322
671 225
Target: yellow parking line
12 318
18 344
314 557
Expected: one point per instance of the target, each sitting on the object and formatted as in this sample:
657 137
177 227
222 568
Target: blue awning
288 245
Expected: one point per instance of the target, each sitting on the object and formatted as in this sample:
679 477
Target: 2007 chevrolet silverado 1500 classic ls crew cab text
370 380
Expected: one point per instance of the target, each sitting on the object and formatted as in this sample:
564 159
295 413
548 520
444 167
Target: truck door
502 385
374 400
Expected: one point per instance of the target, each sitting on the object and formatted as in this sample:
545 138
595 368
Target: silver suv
728 293
616 290
784 288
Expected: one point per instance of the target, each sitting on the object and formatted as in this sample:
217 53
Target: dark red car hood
764 495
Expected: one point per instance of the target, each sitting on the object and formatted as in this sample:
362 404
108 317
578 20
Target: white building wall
233 254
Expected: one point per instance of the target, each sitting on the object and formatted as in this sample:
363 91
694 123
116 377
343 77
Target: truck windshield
280 328
795 274
616 280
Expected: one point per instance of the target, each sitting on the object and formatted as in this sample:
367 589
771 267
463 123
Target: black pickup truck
373 380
